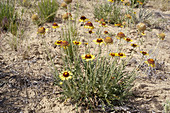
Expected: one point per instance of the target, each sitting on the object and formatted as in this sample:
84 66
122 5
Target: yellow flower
113 54
121 55
65 75
150 62
83 19
98 41
55 25
58 42
118 25
89 25
88 57
128 39
76 43
134 12
144 53
111 1
103 24
134 45
101 21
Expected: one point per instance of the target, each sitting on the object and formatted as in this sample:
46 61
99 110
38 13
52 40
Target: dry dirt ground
27 81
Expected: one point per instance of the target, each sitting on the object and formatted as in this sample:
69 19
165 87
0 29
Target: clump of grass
143 16
47 10
7 15
109 12
93 80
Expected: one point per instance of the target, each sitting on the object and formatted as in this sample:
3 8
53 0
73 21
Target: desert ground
27 78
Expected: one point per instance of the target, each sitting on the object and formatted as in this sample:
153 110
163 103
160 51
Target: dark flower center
65 74
83 18
144 53
76 43
106 32
128 39
90 32
88 56
59 42
55 24
120 54
134 45
99 40
112 54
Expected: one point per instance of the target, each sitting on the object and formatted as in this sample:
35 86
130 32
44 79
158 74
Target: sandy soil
27 79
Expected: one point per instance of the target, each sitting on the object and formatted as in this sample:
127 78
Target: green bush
47 10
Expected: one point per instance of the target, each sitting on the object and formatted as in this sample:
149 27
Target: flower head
144 53
120 35
134 45
128 39
106 32
88 57
98 41
118 25
113 54
66 16
76 43
150 62
103 24
108 40
161 36
65 75
83 19
42 30
89 25
101 20
141 28
34 17
55 25
121 55
64 44
58 42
